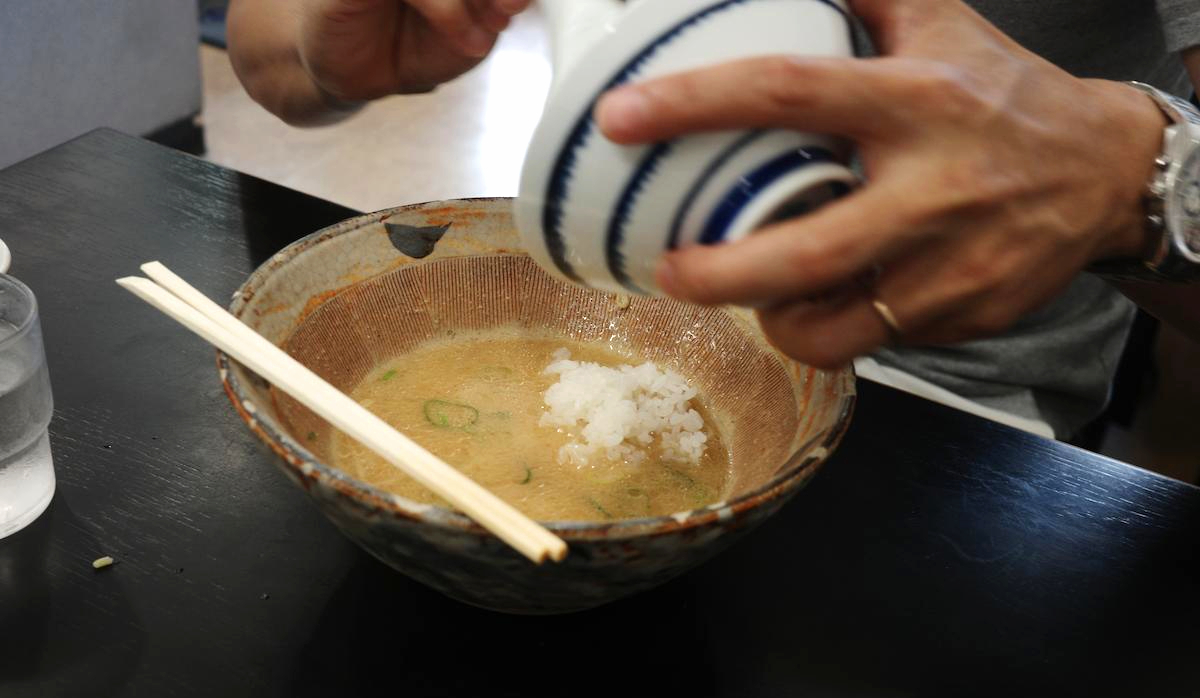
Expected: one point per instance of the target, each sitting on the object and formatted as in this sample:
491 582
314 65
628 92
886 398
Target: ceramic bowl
370 288
602 214
5 257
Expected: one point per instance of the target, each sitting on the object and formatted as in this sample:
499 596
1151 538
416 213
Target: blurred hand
358 50
993 178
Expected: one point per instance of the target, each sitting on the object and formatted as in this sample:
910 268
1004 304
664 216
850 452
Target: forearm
264 38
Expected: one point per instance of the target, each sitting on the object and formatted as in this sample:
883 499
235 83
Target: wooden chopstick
182 302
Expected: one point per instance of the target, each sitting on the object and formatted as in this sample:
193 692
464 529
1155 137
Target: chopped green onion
700 493
388 376
596 505
450 415
495 373
682 477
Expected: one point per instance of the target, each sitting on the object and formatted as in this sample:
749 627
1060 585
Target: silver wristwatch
1172 201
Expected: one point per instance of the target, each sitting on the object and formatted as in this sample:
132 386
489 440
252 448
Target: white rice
622 412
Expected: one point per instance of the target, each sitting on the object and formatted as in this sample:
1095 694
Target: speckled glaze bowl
370 288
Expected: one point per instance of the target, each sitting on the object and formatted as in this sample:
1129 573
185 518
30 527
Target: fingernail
621 111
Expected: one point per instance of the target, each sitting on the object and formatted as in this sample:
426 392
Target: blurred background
158 69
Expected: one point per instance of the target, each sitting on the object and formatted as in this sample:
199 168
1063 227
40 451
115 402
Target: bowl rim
312 470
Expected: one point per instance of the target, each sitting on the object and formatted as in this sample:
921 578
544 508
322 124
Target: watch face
1187 201
1190 198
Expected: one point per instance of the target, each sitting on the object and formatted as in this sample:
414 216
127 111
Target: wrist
1137 124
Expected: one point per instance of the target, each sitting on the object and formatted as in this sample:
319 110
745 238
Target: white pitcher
602 214
576 25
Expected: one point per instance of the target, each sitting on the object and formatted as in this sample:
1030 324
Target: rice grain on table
621 412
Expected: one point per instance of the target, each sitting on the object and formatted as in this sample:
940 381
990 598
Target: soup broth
477 402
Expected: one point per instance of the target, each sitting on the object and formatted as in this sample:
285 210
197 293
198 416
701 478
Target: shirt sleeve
1181 23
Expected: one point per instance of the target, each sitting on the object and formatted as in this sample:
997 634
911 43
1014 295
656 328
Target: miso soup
479 403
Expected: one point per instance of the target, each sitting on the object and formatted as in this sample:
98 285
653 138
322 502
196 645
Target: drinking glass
26 468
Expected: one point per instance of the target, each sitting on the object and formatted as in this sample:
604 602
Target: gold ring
867 281
889 318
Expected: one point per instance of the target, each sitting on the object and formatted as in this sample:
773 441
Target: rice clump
622 412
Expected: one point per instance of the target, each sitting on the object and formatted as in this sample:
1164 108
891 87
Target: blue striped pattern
717 163
616 225
558 186
752 184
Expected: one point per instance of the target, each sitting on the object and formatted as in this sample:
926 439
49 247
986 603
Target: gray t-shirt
1057 363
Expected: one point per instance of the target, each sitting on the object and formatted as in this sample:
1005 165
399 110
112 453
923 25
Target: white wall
68 66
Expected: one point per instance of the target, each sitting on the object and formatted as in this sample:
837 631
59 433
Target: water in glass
26 469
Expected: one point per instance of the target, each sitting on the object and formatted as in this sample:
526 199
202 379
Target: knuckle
945 88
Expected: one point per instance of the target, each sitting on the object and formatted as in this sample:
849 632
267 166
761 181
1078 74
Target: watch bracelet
1159 266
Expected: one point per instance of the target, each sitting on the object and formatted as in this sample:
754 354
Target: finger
825 249
851 97
496 15
956 288
454 20
901 25
488 16
510 7
944 297
881 21
891 22
826 335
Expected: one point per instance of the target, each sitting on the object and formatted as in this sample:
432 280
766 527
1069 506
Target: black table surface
936 554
